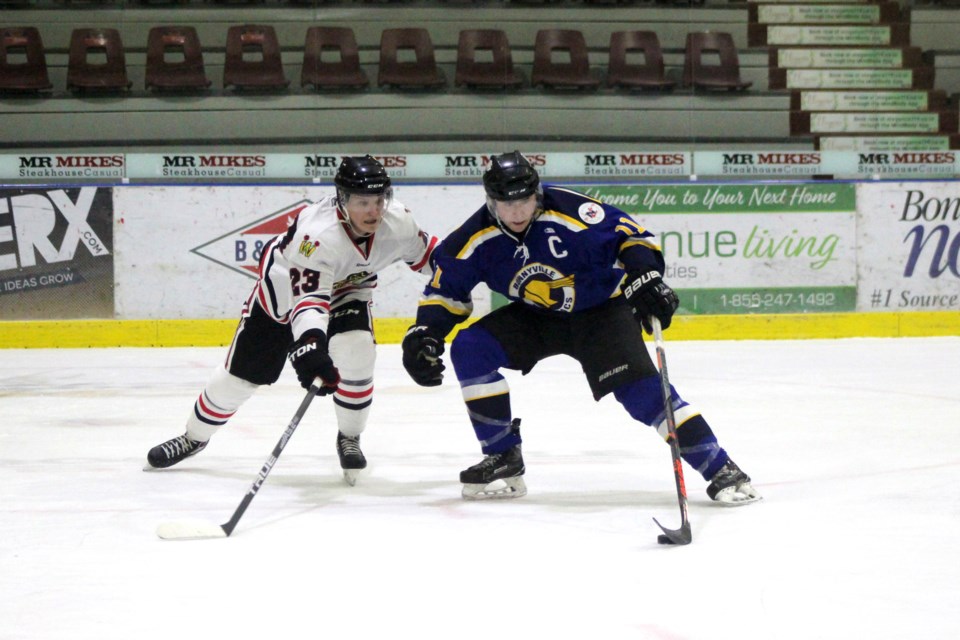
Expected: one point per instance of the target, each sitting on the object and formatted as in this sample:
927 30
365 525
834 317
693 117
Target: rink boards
170 265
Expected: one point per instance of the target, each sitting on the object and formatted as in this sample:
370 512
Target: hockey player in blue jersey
582 278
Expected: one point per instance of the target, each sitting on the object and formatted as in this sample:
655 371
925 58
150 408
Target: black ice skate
173 451
351 457
498 475
731 487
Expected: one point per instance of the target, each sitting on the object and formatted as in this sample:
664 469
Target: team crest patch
307 248
543 286
591 212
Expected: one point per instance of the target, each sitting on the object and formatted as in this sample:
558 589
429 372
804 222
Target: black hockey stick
188 531
683 535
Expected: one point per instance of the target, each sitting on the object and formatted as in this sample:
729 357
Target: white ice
854 444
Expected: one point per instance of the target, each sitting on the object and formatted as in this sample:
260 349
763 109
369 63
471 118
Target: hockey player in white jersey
311 304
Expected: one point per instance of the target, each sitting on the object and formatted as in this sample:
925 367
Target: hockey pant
258 354
477 358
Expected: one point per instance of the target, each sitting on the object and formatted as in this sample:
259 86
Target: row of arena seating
174 61
75 4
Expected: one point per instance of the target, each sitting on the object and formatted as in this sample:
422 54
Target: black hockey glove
649 295
311 360
421 356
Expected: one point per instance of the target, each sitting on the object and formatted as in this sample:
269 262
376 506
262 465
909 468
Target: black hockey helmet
510 177
361 175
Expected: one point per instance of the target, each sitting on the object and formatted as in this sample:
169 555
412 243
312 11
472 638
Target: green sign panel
767 300
724 198
750 248
864 101
812 14
849 78
874 122
839 58
885 143
828 35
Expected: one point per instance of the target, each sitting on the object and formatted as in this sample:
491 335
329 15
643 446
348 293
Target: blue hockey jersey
572 257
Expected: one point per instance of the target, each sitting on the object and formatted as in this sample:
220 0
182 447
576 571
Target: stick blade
680 536
190 531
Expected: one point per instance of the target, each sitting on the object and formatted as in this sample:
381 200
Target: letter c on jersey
554 243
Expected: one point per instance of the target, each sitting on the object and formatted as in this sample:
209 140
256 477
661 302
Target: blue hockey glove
649 295
421 356
311 360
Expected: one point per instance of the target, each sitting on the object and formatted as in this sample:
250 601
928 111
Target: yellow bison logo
543 286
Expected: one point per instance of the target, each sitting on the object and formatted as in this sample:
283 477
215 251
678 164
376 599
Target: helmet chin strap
345 220
492 208
342 199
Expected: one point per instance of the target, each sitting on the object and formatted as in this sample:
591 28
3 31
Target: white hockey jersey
316 266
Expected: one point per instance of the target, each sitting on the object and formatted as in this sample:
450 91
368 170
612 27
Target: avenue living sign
751 248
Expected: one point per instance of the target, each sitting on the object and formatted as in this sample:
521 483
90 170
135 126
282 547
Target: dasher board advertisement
909 246
193 251
767 248
56 253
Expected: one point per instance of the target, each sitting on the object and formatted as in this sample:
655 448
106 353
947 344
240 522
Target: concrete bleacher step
765 35
845 57
839 100
863 123
856 81
892 143
910 78
833 12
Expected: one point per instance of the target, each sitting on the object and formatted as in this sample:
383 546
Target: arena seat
174 59
700 75
253 59
573 73
624 74
342 68
30 74
498 72
419 73
85 72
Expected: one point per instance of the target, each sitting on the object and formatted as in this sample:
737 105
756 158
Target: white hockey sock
354 354
217 403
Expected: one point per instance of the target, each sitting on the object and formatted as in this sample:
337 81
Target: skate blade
730 497
496 490
350 476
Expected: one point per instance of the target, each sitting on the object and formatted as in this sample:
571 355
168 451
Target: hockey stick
188 531
683 535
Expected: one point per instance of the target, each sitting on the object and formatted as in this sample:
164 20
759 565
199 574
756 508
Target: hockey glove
421 356
311 360
649 295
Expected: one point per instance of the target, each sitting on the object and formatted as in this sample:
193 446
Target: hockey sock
217 403
488 405
477 357
354 353
699 447
643 400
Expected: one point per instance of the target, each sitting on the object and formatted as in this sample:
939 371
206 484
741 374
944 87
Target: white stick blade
190 531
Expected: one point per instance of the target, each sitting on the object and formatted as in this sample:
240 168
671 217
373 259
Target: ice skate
351 457
731 487
173 451
498 475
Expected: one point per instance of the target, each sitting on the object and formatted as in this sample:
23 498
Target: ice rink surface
854 444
